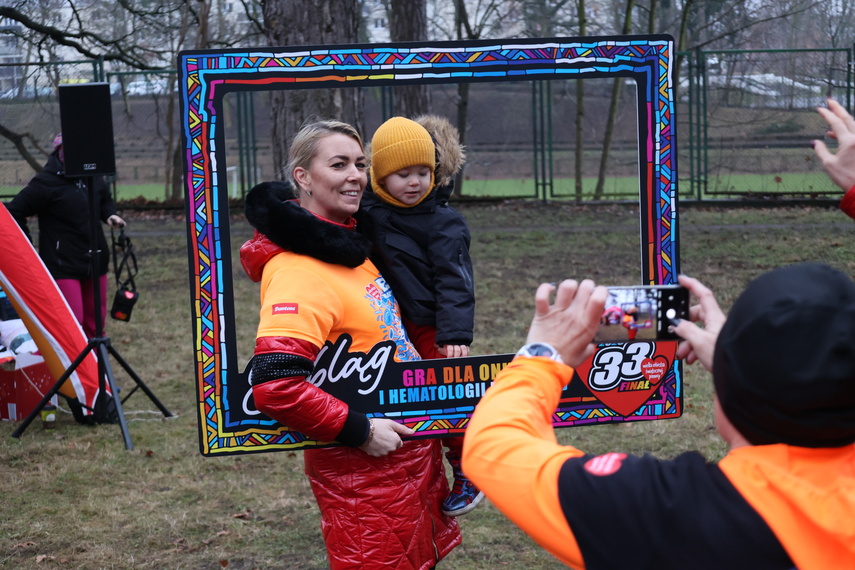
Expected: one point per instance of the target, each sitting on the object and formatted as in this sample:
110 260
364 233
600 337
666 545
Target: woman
62 207
379 496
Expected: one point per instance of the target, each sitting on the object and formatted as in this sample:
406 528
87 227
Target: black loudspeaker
86 117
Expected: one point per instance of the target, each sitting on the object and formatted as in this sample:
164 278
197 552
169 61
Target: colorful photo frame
603 394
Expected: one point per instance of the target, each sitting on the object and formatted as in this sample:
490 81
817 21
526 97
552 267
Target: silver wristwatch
540 349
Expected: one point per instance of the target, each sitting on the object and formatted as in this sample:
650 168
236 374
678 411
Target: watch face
538 349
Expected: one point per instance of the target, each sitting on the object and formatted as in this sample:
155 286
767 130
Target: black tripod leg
107 372
139 381
54 390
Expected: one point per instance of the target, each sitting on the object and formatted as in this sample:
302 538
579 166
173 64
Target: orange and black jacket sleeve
511 453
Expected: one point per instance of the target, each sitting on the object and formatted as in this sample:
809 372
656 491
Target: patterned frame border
206 76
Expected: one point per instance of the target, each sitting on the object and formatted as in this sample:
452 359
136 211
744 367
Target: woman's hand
115 221
698 343
384 437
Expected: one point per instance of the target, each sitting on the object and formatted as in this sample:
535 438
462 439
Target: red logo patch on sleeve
603 465
285 309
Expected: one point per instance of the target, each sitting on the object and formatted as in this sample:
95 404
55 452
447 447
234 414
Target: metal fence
744 122
751 117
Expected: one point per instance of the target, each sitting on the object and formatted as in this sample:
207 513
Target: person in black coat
421 247
62 208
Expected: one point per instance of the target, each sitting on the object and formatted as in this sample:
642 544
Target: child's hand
454 350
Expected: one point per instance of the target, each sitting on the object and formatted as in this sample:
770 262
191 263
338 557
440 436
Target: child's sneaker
464 497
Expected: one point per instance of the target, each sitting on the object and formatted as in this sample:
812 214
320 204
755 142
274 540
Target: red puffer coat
377 512
383 512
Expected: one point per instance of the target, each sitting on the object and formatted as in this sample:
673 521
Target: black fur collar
284 222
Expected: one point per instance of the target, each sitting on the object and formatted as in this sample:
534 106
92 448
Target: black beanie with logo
784 364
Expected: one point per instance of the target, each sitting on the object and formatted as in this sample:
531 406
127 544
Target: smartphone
642 312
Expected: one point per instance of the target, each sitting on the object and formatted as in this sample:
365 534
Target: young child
421 247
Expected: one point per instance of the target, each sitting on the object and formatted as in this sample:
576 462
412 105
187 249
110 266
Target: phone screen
642 312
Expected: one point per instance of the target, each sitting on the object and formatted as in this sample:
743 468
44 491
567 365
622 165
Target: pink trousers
80 296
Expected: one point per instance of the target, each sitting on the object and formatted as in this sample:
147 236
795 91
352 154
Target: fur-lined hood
282 224
450 154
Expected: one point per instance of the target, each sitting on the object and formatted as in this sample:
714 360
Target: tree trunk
320 22
174 178
462 113
174 155
607 138
408 23
613 107
580 108
682 43
464 31
651 16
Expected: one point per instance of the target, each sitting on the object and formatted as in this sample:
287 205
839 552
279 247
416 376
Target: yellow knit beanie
397 144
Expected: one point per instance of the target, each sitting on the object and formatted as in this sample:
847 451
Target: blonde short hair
304 146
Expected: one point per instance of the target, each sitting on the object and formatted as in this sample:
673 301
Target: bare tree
48 24
125 35
836 21
145 35
544 18
320 22
617 83
38 26
580 107
408 22
173 161
487 18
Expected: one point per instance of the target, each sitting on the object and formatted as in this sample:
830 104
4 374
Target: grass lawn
73 497
620 188
615 188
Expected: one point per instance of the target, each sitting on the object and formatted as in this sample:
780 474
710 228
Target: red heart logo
647 364
654 369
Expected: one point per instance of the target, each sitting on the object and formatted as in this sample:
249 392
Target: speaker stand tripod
105 407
